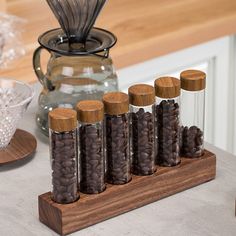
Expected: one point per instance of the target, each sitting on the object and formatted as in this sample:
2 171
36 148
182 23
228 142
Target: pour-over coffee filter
77 18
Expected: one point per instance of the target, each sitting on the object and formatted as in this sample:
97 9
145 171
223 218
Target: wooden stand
118 199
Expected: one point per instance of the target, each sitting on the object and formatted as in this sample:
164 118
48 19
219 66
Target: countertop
207 209
145 29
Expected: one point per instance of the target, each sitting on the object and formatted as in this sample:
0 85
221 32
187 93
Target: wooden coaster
118 199
22 145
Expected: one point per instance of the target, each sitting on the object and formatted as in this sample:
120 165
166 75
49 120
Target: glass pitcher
75 71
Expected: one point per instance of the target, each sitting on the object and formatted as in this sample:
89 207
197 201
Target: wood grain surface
116 103
167 87
90 111
22 145
116 200
141 95
145 29
3 5
62 119
193 80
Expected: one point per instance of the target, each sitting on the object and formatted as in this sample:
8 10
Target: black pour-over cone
76 17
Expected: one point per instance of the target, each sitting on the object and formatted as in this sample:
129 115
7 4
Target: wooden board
145 29
22 145
116 200
3 5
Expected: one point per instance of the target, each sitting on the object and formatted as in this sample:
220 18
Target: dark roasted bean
92 159
143 143
117 149
191 142
167 113
64 166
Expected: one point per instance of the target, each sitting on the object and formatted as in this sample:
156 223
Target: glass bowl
15 96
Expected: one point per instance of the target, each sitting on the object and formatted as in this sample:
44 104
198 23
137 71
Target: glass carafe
73 75
79 67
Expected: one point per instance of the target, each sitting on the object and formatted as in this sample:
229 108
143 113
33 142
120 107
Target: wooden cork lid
193 80
90 111
116 103
62 119
141 95
167 87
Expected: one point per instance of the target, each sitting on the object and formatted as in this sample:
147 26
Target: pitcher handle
37 65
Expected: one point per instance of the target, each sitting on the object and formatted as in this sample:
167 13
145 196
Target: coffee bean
167 114
117 149
143 143
92 158
64 167
192 142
